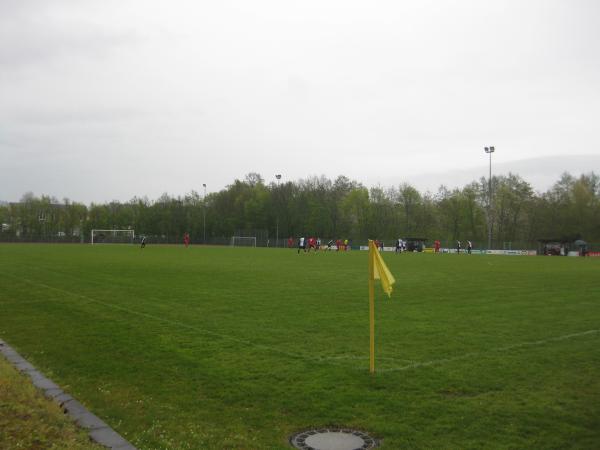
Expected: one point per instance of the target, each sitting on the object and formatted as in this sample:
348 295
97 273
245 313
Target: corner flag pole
371 308
377 271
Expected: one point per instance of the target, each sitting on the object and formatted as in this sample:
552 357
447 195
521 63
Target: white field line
362 358
505 348
331 359
169 321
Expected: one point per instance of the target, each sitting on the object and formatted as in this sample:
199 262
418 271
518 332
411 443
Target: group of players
306 244
401 246
469 247
186 240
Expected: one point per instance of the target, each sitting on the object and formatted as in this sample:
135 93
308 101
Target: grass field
239 348
28 420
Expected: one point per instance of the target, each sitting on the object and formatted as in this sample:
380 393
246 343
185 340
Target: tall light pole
204 212
489 151
278 176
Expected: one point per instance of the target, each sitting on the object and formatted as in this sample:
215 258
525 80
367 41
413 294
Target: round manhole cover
332 439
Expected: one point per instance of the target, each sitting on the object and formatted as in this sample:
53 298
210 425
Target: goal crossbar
249 241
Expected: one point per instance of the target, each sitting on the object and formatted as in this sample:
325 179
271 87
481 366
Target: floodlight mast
278 176
204 213
489 151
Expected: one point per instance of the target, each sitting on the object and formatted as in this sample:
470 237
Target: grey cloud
541 173
204 92
31 34
61 116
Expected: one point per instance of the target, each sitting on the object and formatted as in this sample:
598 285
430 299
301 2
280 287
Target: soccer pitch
241 347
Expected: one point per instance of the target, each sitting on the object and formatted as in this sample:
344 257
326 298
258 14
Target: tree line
338 208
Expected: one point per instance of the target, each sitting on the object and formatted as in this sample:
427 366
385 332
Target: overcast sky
103 100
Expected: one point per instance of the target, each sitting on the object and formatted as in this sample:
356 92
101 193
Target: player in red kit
186 239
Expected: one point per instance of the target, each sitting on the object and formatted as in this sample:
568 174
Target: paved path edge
98 430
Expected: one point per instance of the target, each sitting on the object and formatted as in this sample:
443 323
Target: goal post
243 241
112 237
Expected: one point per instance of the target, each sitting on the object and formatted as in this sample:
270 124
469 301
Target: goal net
243 241
113 236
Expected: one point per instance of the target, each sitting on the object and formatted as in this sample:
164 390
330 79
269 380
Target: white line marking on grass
327 359
169 321
498 349
362 358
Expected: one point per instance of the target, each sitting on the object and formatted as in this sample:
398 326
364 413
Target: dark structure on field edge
415 244
562 246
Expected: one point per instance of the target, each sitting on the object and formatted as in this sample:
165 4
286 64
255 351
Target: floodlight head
278 176
487 150
203 184
492 149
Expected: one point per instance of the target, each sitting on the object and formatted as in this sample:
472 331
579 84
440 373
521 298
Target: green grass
239 348
28 420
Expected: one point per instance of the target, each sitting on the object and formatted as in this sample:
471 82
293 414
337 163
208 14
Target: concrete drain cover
332 439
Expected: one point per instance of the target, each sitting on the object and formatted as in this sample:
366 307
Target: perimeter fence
264 240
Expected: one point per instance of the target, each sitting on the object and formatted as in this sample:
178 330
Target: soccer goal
243 241
112 236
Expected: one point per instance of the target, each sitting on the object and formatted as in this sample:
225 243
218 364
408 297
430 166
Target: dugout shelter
415 244
553 247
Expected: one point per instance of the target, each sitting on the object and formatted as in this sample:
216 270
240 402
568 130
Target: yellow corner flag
377 271
380 270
